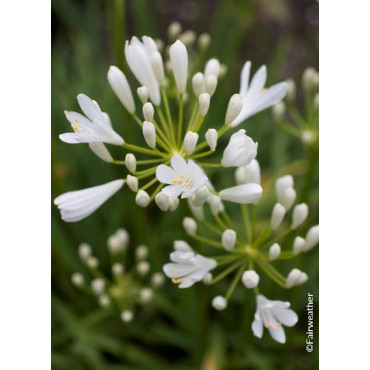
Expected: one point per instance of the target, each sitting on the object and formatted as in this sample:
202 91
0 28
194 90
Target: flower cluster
120 289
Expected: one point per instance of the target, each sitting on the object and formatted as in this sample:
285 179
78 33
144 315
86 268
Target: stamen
76 120
178 180
264 89
74 128
178 281
273 327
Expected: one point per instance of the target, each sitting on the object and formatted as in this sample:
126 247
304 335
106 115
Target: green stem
149 184
214 165
181 119
247 222
139 149
207 241
227 271
235 281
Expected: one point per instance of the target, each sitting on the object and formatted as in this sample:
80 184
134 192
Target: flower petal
165 174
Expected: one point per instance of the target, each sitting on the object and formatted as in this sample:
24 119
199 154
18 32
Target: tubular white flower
142 198
211 84
130 162
250 279
298 245
274 251
132 182
179 61
184 178
273 315
188 267
200 196
219 303
212 68
277 216
118 82
250 173
204 102
211 138
234 108
190 226
143 94
295 277
94 128
149 134
148 112
312 238
228 239
240 151
77 205
101 151
243 194
199 84
138 58
182 245
190 142
300 213
156 62
162 201
255 97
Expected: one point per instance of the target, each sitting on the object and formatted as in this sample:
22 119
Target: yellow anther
178 180
264 89
273 327
74 128
76 120
178 281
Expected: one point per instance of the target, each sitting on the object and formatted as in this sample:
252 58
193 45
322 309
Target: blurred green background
181 330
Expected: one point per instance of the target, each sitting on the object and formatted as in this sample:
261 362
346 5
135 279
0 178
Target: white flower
243 194
101 151
183 178
255 97
273 315
148 112
157 65
200 196
94 128
240 151
121 87
250 279
142 198
249 173
179 62
138 58
127 316
98 286
188 267
284 191
212 68
296 277
76 205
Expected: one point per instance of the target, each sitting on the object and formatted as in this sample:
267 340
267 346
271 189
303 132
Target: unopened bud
130 162
190 142
157 279
84 251
146 295
278 111
141 252
223 70
228 239
142 198
188 37
234 108
104 300
274 251
204 101
310 79
211 138
291 90
148 112
127 316
200 196
101 151
189 225
282 183
296 277
77 279
98 286
149 133
219 303
248 174
117 269
250 279
215 204
156 62
300 213
143 94
199 84
211 84
162 201
277 216
197 211
288 198
143 267
132 182
207 278
182 245
174 30
212 68
203 41
173 203
298 245
312 238
92 262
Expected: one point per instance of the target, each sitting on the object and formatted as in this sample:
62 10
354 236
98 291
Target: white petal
165 174
101 151
244 78
172 191
257 328
287 316
178 163
91 109
244 194
69 137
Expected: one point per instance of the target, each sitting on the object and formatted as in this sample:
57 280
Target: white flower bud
174 30
298 245
288 198
160 44
203 41
234 108
211 84
200 196
188 37
274 251
199 84
197 211
132 182
308 137
291 90
149 133
204 102
228 239
316 101
143 267
219 303
162 201
156 62
190 142
310 79
211 138
98 286
296 277
212 68
84 251
157 279
142 198
92 262
182 245
250 279
278 111
189 225
130 162
283 183
223 70
127 316
116 244
121 87
117 269
141 252
251 173
179 62
148 112
173 203
215 204
300 213
277 216
207 278
242 194
146 295
104 300
143 94
77 279
124 236
312 238
101 151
